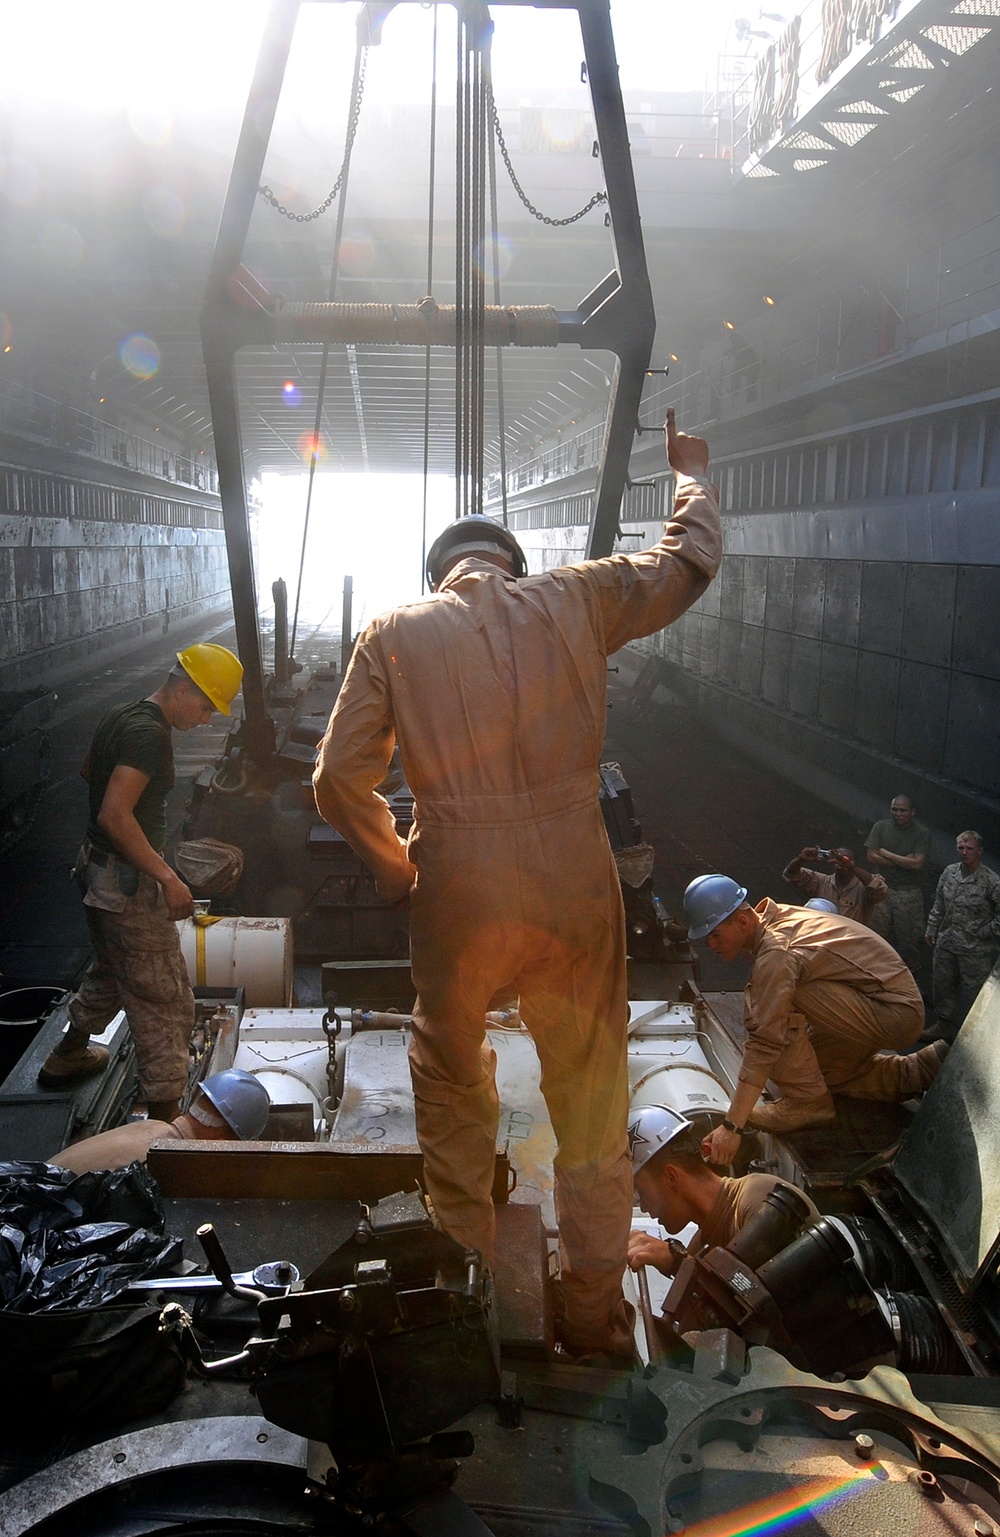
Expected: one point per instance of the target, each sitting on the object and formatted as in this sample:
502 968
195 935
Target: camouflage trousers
138 967
900 919
957 980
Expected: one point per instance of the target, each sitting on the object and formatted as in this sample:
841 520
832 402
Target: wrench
276 1277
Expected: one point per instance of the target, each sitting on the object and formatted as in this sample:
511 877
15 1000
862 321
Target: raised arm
640 594
793 872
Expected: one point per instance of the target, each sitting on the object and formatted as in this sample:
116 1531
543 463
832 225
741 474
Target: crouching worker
675 1185
229 1106
829 1006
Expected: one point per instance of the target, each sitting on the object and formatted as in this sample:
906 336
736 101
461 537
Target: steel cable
495 240
472 122
431 175
360 59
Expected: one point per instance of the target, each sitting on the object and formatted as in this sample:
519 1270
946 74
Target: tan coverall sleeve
767 1003
802 879
353 758
643 593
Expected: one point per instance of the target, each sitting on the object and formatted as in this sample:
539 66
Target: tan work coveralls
825 997
496 692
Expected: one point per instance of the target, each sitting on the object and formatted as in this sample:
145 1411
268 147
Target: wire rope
495 240
360 60
431 176
472 121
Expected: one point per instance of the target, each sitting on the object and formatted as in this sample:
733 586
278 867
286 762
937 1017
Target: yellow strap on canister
201 922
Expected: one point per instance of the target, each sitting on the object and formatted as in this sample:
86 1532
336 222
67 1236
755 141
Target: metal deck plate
33 1128
949 1161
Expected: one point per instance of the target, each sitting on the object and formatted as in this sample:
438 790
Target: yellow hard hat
217 672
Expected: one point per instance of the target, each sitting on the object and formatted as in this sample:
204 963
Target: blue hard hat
823 905
241 1099
708 900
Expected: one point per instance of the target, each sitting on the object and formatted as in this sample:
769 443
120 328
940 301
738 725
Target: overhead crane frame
616 316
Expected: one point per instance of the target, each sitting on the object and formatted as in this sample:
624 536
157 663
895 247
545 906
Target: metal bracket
705 1406
618 317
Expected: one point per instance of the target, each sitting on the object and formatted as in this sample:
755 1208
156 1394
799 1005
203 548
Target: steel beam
616 317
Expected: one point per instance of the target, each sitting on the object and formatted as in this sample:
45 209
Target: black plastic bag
77 1240
86 1366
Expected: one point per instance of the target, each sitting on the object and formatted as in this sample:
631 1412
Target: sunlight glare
364 526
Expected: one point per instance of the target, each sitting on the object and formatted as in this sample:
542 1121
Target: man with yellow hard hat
132 897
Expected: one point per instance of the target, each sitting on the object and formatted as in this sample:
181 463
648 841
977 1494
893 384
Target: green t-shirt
134 736
914 839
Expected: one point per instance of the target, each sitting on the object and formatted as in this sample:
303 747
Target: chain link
596 200
352 127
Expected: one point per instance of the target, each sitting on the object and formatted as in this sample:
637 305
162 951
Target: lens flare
291 393
562 128
483 256
784 1512
139 355
357 257
6 333
313 449
151 122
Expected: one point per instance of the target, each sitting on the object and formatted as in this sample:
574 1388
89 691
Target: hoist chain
352 127
596 200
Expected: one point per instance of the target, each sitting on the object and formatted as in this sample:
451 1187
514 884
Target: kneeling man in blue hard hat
230 1106
825 999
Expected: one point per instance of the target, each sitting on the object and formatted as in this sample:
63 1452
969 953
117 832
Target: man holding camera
853 890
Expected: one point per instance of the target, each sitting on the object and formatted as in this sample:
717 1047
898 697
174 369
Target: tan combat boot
920 1068
72 1060
783 1115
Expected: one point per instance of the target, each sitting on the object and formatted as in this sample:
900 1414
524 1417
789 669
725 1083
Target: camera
824 853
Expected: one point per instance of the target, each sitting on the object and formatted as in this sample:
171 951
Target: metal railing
38 418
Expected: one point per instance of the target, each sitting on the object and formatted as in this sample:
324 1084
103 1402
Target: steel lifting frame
616 317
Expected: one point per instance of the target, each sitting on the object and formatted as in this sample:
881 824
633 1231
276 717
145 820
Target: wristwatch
737 1131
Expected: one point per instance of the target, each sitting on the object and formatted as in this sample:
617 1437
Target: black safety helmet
478 533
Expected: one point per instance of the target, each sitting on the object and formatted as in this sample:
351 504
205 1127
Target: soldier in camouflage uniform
964 928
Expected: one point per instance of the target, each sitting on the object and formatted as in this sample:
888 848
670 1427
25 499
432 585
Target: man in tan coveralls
496 691
825 997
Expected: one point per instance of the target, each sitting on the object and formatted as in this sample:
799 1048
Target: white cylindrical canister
292 1072
686 1087
252 953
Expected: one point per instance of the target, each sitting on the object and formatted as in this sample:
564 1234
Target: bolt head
864 1446
983 1528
